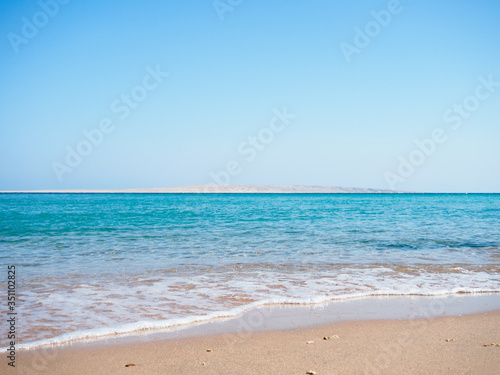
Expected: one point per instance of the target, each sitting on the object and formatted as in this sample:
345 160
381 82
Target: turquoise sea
92 264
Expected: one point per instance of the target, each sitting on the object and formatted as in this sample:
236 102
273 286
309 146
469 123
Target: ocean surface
93 264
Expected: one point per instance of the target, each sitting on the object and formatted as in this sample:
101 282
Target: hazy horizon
244 189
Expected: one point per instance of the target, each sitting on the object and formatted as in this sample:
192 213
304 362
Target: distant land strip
230 188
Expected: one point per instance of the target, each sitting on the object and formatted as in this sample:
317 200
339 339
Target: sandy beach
449 345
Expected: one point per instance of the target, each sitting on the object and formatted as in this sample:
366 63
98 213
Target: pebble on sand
492 344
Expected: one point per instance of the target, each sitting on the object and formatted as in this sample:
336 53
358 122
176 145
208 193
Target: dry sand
373 347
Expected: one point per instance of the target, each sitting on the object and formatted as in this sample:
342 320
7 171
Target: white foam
185 322
96 307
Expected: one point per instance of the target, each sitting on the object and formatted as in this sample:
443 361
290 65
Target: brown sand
373 347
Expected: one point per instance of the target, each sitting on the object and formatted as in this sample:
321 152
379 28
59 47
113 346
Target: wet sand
439 345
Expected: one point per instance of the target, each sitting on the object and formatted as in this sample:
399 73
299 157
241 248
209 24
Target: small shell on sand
203 364
311 373
130 365
309 342
449 340
209 350
330 337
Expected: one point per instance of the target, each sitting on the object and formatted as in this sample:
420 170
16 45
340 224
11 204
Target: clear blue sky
354 119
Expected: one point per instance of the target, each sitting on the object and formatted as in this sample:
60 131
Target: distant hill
235 189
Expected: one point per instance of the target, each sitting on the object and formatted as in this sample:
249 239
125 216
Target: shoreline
275 317
439 344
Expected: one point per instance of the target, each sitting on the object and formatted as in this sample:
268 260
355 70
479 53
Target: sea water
89 265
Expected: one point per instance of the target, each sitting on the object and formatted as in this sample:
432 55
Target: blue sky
229 70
